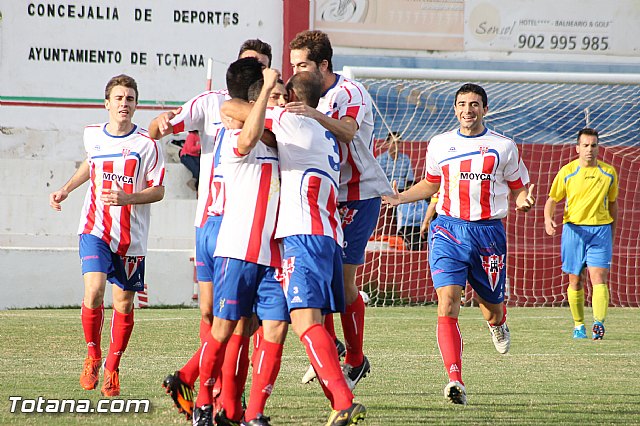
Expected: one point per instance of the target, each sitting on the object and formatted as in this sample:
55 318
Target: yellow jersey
588 192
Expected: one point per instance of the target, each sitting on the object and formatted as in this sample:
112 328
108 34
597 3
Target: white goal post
359 73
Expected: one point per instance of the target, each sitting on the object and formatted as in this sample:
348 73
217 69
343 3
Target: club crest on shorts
347 215
284 274
493 265
131 264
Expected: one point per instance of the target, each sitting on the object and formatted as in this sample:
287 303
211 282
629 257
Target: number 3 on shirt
335 165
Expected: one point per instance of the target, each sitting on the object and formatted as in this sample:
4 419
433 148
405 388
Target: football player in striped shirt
309 224
590 187
125 169
346 109
476 170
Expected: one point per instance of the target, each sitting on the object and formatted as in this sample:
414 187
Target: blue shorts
127 272
359 220
461 251
206 238
270 302
312 273
590 245
236 289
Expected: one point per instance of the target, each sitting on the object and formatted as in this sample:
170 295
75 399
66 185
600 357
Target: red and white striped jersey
129 163
251 206
361 177
309 173
202 113
476 174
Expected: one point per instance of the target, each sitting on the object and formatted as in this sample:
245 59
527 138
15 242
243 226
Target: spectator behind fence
190 157
409 219
396 165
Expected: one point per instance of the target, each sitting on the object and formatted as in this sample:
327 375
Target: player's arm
161 125
79 177
613 211
254 124
344 128
236 109
120 198
239 110
524 198
549 212
420 191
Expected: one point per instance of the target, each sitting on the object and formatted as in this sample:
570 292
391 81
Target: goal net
543 113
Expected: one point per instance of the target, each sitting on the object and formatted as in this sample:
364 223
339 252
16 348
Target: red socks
211 359
323 355
266 365
189 373
121 328
329 326
353 327
234 375
450 344
92 320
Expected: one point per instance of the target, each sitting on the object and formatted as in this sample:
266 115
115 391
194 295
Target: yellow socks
599 301
576 303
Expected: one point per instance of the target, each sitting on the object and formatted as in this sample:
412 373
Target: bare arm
344 129
236 109
420 191
161 126
549 212
524 198
254 124
79 177
120 198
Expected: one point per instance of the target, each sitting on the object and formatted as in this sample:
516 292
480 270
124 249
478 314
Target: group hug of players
290 193
271 244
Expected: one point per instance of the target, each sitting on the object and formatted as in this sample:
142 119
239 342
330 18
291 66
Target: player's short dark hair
254 90
589 132
318 45
121 80
307 86
472 88
241 74
256 45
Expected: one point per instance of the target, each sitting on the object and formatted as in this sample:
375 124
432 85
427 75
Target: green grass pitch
547 378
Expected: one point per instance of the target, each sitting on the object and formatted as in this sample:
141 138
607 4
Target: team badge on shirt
126 152
483 149
492 266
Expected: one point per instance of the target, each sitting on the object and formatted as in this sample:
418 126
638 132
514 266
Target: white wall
44 277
